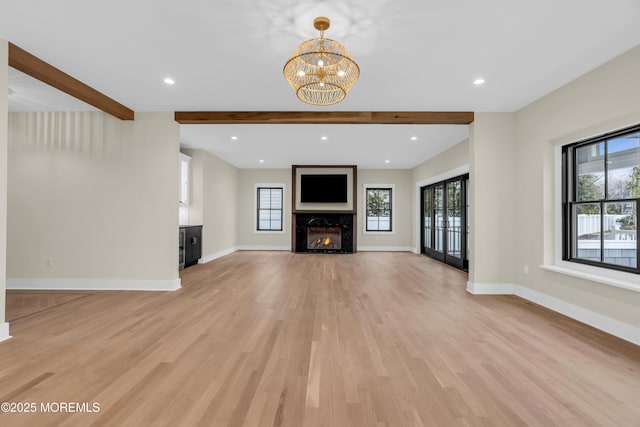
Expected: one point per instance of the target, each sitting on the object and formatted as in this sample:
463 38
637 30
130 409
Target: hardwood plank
282 339
325 117
30 64
26 303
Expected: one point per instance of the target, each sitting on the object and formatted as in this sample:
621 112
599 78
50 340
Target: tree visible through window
602 190
269 215
379 209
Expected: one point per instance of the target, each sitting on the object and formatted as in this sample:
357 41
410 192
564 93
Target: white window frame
366 187
255 208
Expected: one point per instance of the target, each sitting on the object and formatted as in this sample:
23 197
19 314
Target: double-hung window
270 208
379 204
601 194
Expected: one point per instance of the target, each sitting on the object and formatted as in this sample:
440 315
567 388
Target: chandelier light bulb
301 73
341 73
321 63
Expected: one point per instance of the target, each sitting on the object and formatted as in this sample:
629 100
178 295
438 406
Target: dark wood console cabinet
190 245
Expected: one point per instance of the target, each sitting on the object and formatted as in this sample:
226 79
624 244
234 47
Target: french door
445 210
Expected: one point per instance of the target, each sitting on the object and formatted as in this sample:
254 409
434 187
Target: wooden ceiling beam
29 64
325 117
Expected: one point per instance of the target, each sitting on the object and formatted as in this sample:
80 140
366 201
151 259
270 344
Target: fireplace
324 233
324 238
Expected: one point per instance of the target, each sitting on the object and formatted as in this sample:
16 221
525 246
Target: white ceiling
280 146
414 55
29 94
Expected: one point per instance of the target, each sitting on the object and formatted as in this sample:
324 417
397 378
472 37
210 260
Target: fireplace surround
319 226
324 233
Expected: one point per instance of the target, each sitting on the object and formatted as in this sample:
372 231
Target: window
379 206
601 190
270 207
183 202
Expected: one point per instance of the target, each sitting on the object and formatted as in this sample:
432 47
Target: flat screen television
323 188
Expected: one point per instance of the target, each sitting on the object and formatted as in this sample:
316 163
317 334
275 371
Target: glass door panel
445 232
467 218
427 218
454 221
439 218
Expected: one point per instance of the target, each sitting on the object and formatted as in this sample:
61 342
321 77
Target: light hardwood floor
26 303
277 339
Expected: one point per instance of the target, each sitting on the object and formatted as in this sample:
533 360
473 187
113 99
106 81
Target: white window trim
255 208
365 187
186 159
619 279
183 203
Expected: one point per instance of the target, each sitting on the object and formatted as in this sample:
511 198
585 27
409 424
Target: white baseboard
208 258
4 331
611 326
491 288
385 249
264 248
93 284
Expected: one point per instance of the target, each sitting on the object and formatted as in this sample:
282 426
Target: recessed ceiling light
324 138
234 137
478 81
414 138
169 81
261 161
387 161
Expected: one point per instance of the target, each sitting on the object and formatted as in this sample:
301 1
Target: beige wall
492 145
214 201
447 164
4 55
247 237
448 160
92 197
400 239
605 99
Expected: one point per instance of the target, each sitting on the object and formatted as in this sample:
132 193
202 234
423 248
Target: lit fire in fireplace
324 238
327 241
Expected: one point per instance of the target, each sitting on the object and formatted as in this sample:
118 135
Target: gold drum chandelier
321 71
